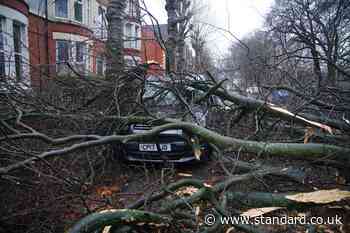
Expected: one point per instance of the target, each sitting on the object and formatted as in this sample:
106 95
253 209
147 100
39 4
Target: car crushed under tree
171 146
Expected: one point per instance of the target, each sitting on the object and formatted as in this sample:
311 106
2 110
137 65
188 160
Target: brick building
151 51
38 38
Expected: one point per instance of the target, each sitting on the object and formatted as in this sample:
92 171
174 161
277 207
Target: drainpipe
47 37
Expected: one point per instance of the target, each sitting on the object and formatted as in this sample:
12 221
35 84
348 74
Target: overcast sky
239 16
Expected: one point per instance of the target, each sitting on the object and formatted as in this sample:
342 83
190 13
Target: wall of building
42 44
20 6
132 33
38 50
43 29
152 52
87 13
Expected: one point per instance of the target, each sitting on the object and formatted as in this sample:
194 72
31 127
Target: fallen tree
19 127
298 150
216 196
251 104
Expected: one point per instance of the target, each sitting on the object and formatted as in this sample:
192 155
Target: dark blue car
172 146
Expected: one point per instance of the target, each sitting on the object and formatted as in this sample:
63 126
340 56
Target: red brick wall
131 52
98 49
151 51
42 46
18 5
65 28
38 53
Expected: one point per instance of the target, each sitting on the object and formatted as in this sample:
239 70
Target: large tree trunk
126 88
115 45
96 221
312 151
172 33
183 9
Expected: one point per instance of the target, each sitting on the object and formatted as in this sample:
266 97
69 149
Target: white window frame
128 35
83 51
132 37
72 56
61 64
21 49
103 61
83 63
10 16
101 24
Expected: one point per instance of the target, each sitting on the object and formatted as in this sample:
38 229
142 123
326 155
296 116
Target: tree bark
254 104
98 221
185 16
297 150
172 33
288 200
115 45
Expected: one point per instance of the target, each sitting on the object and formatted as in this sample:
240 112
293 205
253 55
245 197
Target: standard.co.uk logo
211 219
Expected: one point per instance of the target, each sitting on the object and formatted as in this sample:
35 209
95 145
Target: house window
80 52
132 36
136 37
62 55
128 35
61 8
100 65
17 45
73 52
101 23
38 7
81 58
78 10
131 9
2 46
62 51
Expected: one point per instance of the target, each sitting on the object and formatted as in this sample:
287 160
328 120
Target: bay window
74 52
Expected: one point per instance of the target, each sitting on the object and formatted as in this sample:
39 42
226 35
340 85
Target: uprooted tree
67 145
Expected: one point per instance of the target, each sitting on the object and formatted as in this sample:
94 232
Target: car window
166 97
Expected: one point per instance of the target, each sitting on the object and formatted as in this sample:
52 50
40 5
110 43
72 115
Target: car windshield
158 95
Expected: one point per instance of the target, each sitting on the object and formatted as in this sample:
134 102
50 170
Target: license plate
165 147
153 147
